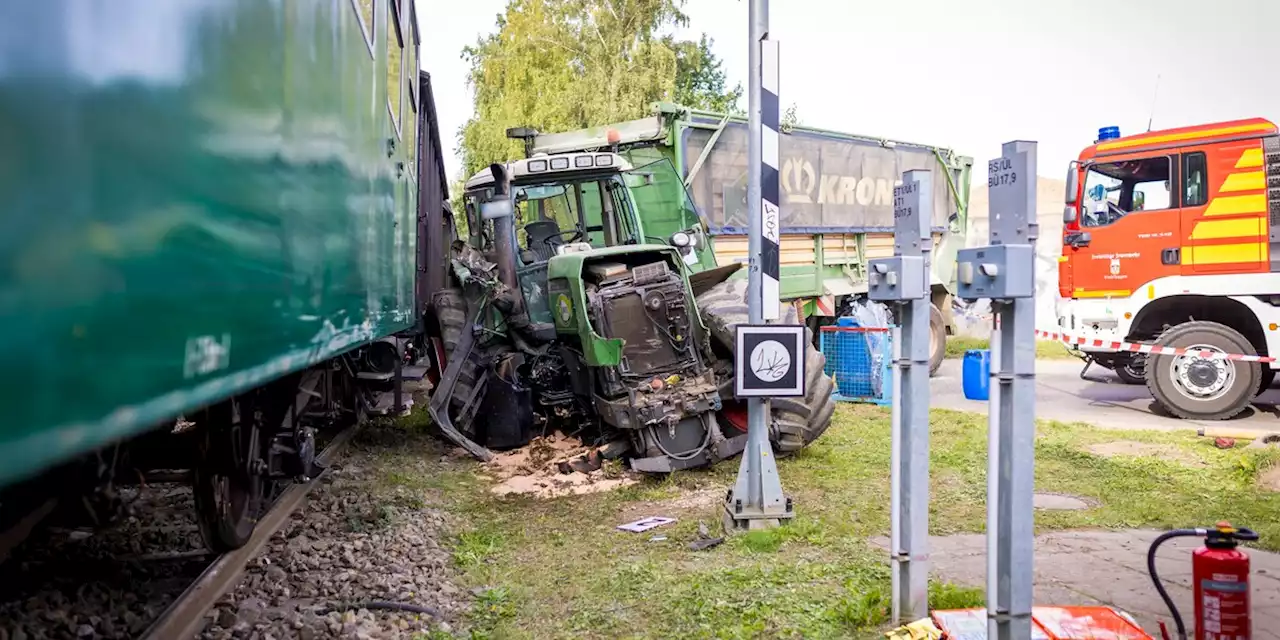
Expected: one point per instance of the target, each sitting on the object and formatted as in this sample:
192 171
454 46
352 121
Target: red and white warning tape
1114 345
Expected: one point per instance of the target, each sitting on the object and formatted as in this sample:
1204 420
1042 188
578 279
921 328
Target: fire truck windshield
1114 190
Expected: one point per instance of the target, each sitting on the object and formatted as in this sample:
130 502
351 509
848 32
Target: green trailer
198 201
837 200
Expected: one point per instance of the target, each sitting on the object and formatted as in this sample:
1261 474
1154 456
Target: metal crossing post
903 281
757 501
1004 272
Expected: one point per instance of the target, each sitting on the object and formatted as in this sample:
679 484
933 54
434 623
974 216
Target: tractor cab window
549 215
1114 190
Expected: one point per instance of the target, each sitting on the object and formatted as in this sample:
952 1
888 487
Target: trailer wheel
1196 388
937 339
796 421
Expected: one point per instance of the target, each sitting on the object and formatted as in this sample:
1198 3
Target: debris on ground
1224 443
705 540
922 629
558 465
645 524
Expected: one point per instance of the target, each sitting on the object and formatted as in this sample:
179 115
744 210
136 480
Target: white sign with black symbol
769 361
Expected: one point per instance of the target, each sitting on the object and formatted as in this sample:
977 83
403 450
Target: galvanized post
1004 273
903 282
757 501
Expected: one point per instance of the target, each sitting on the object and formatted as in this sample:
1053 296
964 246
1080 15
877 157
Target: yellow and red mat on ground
1048 623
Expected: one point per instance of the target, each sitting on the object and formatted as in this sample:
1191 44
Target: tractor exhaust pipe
501 210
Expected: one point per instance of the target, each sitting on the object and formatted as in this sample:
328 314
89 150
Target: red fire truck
1172 238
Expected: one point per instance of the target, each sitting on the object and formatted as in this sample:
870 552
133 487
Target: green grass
1045 349
559 569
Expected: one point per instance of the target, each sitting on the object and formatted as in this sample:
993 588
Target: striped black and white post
770 246
756 499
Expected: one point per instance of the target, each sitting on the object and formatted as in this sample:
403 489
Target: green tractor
559 313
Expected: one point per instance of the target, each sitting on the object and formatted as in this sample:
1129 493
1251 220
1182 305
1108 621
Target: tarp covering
827 182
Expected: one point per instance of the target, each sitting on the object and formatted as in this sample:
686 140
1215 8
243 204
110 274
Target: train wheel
228 491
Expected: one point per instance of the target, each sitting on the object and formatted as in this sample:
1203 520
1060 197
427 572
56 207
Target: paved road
1103 401
1108 568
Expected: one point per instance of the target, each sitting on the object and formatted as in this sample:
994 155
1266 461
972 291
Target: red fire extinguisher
1220 575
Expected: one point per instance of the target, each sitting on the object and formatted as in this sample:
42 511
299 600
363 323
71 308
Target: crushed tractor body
559 314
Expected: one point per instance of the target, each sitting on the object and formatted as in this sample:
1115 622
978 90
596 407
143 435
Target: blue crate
860 360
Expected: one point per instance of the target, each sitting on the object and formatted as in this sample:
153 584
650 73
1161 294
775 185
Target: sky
969 75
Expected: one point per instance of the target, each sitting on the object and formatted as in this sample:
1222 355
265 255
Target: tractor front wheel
796 421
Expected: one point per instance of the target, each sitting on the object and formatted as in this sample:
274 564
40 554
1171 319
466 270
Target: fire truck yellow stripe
1238 228
1186 135
1229 205
1250 159
1112 293
1244 181
1224 253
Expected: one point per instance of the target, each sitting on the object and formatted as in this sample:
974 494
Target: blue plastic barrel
977 374
854 367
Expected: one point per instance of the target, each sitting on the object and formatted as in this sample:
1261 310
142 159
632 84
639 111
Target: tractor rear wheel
1197 388
451 316
796 421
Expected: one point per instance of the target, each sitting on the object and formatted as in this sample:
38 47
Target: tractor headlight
681 239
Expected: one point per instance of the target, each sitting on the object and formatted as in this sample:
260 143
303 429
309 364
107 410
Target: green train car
209 239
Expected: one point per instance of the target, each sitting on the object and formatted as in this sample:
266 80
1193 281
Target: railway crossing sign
769 361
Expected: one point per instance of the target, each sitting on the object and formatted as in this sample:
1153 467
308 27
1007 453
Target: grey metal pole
1004 272
757 408
757 500
903 281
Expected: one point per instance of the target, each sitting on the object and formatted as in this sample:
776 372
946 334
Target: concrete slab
1103 402
1109 568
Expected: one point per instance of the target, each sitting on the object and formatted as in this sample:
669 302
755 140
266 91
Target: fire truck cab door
1129 208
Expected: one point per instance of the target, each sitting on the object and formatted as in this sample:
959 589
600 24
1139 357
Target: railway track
185 617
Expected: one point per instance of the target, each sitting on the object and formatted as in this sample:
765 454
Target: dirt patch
538 469
1060 502
1132 449
1270 479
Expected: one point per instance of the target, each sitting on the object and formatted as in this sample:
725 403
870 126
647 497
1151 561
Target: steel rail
185 617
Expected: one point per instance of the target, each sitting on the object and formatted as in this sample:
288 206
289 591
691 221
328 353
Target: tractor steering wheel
577 235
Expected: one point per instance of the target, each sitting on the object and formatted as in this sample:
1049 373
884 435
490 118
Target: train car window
411 90
1195 190
364 15
395 68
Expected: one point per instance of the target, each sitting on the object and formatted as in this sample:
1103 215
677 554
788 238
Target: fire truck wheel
937 339
1132 369
1266 377
1196 388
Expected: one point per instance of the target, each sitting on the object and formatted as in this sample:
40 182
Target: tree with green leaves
558 65
700 78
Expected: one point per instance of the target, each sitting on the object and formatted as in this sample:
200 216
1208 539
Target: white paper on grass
645 524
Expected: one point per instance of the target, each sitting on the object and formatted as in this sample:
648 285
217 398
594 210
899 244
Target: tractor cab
569 203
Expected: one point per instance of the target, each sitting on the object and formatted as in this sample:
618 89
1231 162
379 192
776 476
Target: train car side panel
196 197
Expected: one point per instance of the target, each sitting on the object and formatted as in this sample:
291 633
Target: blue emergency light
1108 133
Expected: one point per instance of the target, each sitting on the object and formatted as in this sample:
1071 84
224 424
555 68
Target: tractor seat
544 236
